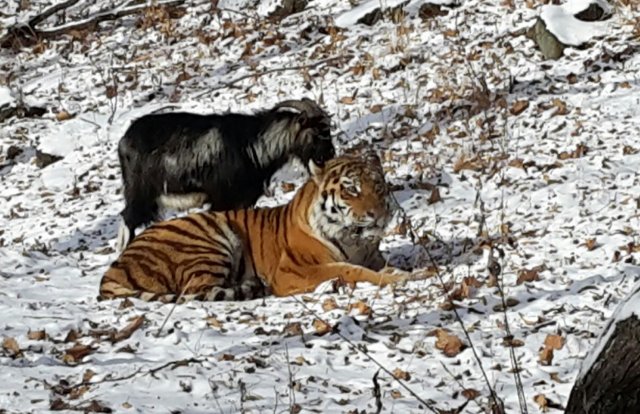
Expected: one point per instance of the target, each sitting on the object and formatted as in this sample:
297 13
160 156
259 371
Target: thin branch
414 235
102 17
372 359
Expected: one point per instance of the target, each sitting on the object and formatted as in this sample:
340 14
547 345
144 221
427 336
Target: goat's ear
316 171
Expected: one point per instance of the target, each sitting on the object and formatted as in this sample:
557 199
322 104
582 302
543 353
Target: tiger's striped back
248 253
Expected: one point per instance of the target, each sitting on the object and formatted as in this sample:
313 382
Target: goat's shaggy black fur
223 159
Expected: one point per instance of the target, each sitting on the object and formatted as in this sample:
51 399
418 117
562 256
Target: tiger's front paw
394 275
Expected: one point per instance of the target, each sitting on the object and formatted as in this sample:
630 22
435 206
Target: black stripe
249 245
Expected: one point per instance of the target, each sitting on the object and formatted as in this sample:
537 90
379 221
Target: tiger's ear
316 171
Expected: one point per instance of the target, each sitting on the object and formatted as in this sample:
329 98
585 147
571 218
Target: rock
593 13
13 151
546 41
377 14
288 7
429 11
610 379
43 159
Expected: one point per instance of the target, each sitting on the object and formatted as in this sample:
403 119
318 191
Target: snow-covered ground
535 162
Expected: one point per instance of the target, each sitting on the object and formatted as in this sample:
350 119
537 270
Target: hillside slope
513 171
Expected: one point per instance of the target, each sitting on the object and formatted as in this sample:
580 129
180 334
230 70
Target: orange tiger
331 229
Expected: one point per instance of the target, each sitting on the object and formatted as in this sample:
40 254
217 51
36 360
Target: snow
560 21
412 96
6 97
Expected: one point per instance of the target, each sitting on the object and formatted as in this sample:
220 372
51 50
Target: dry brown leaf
554 342
88 374
401 375
321 327
213 322
435 196
72 336
77 392
528 275
329 304
470 394
347 100
293 329
512 342
395 394
128 330
226 357
375 108
561 107
63 116
299 360
519 107
590 244
76 353
360 306
37 335
448 343
542 402
546 356
10 345
464 163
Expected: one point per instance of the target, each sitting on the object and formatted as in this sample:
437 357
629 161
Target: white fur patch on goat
123 236
182 202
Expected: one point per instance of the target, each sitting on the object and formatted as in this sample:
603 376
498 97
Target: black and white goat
183 160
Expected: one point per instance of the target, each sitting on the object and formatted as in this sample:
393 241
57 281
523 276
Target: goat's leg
136 213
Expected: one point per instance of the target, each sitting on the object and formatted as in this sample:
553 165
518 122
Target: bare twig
427 405
376 392
29 31
414 235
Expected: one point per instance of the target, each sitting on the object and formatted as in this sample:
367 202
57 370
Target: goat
182 160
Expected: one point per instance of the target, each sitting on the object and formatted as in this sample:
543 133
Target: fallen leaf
213 322
329 304
554 342
10 345
293 329
448 343
347 100
561 107
128 330
542 402
299 360
37 335
470 394
395 394
519 107
72 336
321 327
88 374
360 306
435 196
226 357
546 356
401 375
590 244
375 108
63 116
76 353
528 275
126 303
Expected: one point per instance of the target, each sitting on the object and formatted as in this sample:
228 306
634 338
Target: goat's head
313 141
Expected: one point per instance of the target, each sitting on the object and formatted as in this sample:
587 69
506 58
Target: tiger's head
353 198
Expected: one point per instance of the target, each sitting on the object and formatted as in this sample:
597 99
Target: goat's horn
305 105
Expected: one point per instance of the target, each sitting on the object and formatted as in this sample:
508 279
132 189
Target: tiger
331 229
